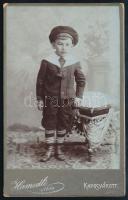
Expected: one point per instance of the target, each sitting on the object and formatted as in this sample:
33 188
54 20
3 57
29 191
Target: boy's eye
59 43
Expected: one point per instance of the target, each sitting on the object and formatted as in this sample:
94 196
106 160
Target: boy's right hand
40 105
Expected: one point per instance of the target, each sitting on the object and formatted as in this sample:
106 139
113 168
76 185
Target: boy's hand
40 105
77 102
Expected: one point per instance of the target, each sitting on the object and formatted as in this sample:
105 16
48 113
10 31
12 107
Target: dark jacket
54 81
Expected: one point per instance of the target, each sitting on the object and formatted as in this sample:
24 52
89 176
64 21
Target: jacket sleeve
80 81
40 81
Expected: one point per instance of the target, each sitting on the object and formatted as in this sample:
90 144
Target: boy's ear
53 45
73 44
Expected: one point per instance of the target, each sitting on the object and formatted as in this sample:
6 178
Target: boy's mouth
63 52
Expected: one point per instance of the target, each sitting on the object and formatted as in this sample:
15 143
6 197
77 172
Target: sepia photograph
63 87
63 72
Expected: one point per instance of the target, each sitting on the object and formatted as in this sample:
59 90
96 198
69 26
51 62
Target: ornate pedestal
93 124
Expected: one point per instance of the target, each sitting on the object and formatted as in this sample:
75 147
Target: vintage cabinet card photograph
64 131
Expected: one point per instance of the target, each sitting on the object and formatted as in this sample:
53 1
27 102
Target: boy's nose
63 47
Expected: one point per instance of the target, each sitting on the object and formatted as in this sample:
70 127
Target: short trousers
58 115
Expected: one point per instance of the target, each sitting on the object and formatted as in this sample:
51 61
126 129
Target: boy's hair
63 32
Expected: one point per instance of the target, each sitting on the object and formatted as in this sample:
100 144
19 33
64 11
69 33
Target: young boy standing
55 88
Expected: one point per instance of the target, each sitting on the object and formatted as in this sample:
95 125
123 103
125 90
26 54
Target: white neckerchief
69 60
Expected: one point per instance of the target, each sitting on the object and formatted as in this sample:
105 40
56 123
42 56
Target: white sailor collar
69 60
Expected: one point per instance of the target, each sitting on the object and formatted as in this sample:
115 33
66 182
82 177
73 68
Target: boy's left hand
40 105
77 102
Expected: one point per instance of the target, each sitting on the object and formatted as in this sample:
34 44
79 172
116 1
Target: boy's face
63 46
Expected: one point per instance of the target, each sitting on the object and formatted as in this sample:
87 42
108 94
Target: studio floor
25 149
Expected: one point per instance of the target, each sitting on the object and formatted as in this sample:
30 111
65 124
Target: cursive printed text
40 187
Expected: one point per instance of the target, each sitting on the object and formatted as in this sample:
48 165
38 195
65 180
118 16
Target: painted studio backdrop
27 43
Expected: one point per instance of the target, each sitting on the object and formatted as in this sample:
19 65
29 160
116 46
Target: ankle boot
50 141
60 141
59 153
49 153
